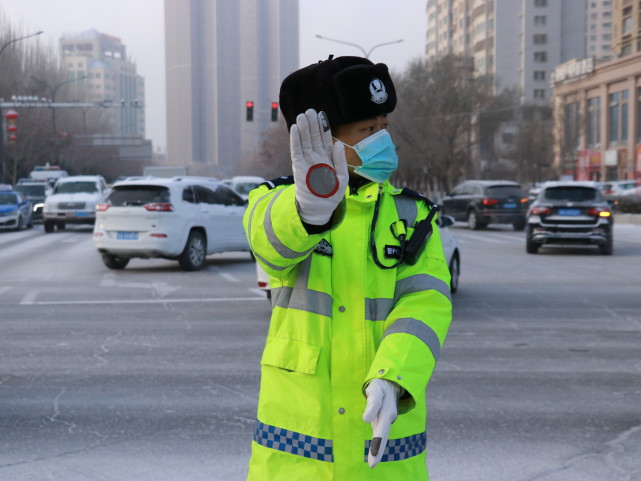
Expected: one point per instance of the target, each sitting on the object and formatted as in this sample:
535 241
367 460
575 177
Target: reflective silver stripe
251 217
402 448
303 300
378 309
294 443
300 297
418 329
420 283
406 209
278 246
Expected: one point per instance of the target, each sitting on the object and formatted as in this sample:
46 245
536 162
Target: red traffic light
249 110
274 105
250 104
274 111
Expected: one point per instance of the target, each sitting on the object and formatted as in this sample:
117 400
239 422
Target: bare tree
273 158
29 68
435 119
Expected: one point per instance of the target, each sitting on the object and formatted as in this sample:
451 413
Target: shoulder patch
278 181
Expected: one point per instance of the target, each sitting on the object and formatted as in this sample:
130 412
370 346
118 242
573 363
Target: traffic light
250 110
274 111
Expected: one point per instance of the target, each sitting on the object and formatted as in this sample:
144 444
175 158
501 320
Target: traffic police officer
360 289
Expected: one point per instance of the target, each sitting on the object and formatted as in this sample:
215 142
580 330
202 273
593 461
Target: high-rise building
107 77
627 27
599 33
518 41
220 55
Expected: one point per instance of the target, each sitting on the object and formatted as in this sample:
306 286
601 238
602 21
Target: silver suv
73 201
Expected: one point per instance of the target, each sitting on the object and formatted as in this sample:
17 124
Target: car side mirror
446 221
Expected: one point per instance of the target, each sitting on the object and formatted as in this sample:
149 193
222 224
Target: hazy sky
140 26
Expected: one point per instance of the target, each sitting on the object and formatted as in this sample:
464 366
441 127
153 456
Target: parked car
15 210
569 213
35 191
73 201
450 249
184 218
483 202
616 188
242 184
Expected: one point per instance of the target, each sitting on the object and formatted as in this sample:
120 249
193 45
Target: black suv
569 213
481 202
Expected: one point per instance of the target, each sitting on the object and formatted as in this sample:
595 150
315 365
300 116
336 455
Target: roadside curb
627 219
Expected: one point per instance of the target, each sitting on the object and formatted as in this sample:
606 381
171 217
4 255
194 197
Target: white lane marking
5 289
147 301
162 288
225 275
33 244
12 236
485 238
228 277
29 298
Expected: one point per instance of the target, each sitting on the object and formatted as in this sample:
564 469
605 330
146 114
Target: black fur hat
347 89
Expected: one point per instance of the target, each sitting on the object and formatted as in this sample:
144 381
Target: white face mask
378 156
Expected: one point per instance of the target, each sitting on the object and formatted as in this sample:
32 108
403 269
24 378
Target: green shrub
629 205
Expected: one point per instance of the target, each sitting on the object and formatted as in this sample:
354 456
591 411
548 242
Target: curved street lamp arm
382 44
346 43
12 41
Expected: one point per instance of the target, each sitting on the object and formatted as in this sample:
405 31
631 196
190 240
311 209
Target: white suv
184 218
73 201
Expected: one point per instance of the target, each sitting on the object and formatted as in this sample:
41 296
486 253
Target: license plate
509 205
81 213
127 236
569 212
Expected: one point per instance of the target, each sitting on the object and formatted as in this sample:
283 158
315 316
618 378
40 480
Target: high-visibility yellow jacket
339 321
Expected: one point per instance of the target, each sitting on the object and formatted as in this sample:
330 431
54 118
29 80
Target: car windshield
505 191
35 190
244 188
76 187
574 194
7 198
138 195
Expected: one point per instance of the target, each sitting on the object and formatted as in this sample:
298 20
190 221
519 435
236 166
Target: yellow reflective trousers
338 321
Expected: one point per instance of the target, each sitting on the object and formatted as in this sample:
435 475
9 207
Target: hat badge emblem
377 89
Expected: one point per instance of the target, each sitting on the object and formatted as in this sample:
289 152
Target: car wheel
30 224
49 226
607 248
61 226
520 225
114 262
473 220
455 270
20 224
193 257
530 246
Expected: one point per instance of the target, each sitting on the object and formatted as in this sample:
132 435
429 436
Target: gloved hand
380 412
320 168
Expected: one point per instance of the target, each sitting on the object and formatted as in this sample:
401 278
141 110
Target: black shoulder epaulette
284 180
416 195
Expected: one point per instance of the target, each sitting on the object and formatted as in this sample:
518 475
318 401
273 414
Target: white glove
320 168
380 412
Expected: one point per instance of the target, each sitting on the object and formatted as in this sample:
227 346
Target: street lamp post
10 42
54 91
365 53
